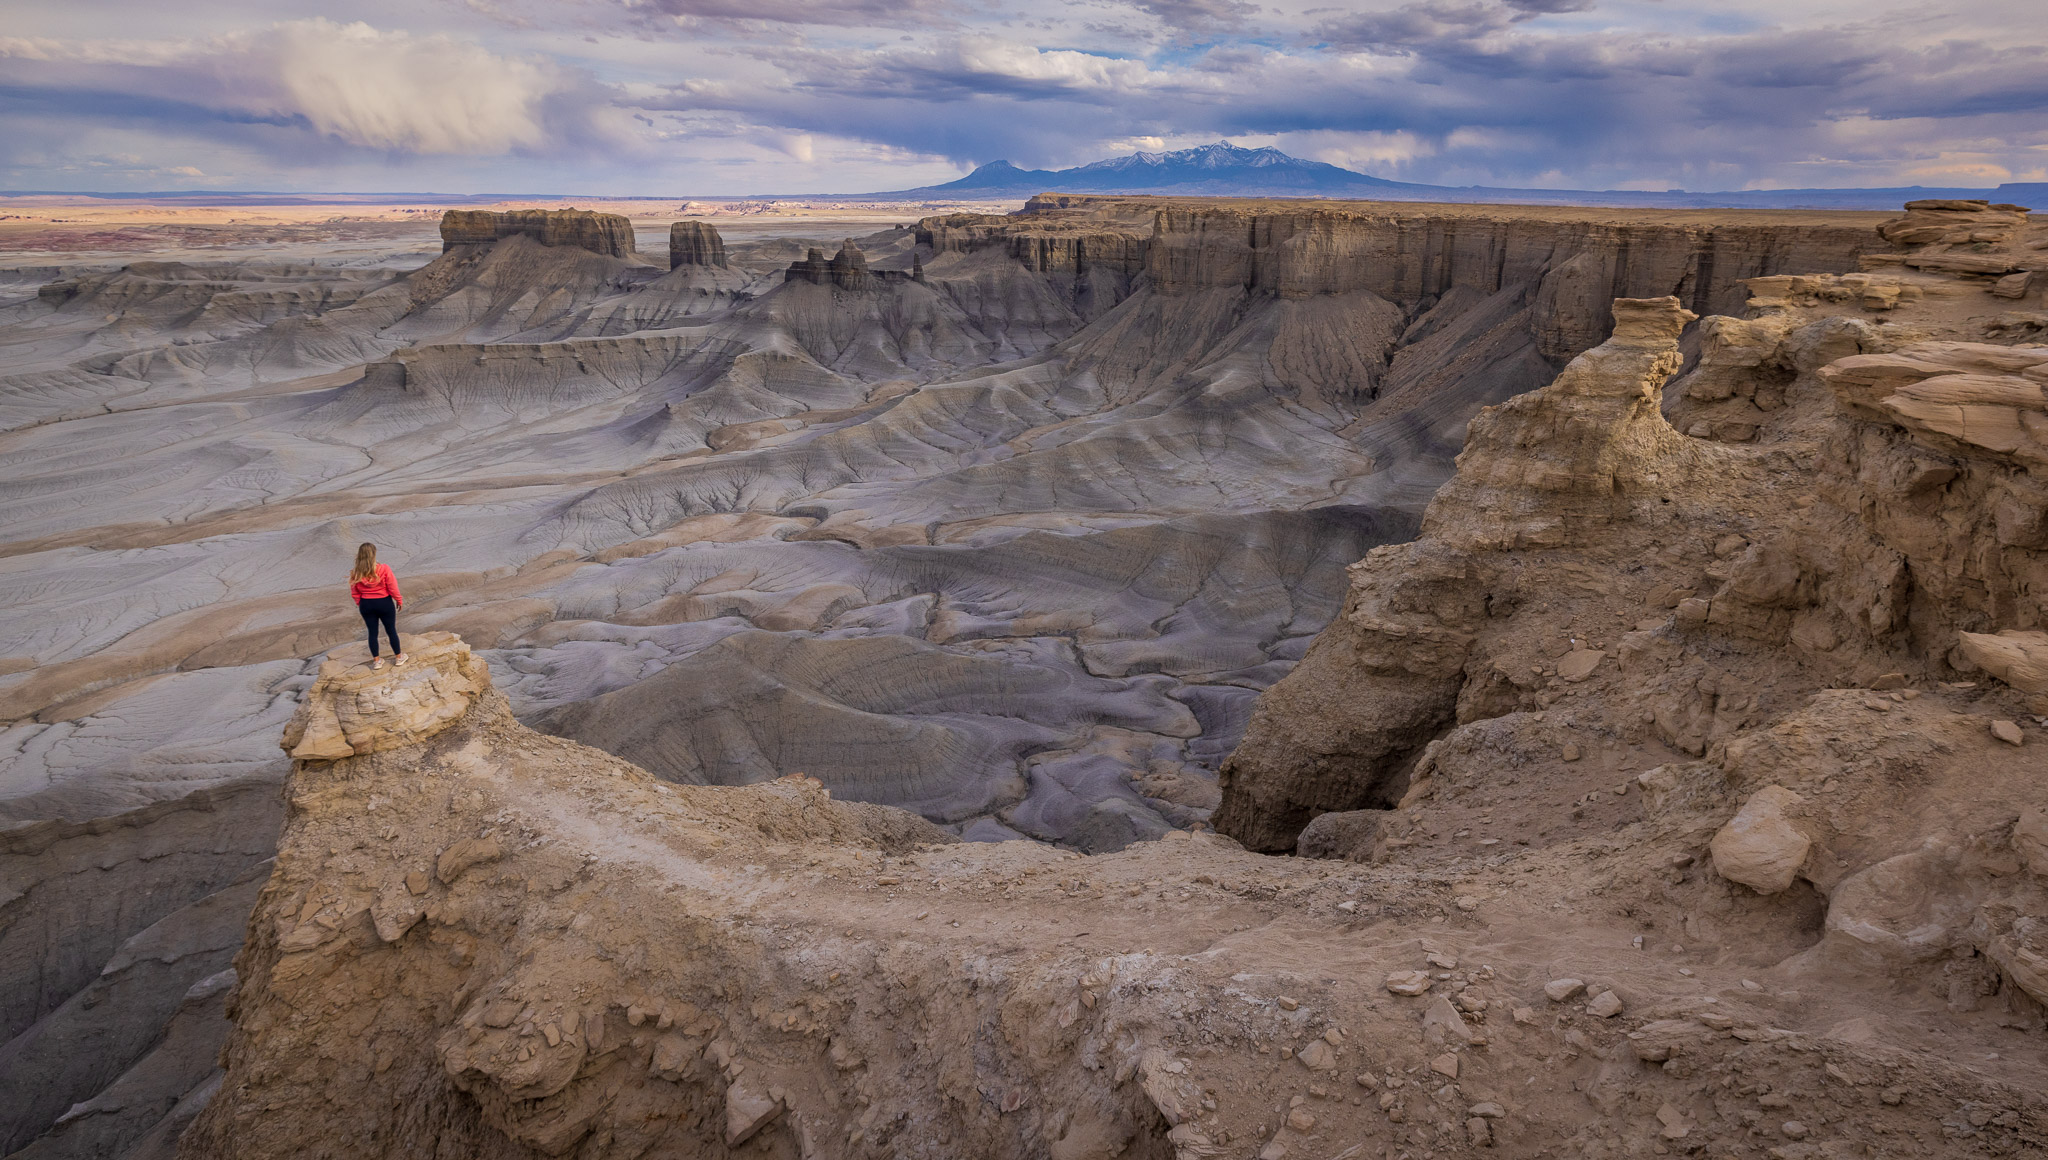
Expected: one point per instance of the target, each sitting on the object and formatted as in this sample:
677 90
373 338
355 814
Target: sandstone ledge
354 709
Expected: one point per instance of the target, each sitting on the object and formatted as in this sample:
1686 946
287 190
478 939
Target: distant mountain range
1224 170
1218 170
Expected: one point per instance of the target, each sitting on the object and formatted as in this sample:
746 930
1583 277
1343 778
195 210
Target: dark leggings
382 608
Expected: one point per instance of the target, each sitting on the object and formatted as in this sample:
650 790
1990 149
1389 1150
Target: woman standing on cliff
378 599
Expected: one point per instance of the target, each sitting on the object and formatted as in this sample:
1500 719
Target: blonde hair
366 564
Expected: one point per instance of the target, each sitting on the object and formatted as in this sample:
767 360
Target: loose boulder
1760 847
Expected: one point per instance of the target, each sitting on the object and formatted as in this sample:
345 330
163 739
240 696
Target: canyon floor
1009 522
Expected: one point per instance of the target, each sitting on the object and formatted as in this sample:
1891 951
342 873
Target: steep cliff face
1572 262
484 942
1886 506
1812 619
1543 471
609 234
109 930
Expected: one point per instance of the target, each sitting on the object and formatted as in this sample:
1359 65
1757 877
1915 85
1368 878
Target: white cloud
352 83
393 90
1368 151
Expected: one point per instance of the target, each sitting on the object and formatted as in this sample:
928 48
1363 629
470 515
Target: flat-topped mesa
600 233
695 244
1572 262
848 269
353 709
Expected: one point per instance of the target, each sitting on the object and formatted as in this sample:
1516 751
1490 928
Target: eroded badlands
1009 521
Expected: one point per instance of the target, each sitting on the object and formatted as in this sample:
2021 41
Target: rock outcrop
847 269
695 244
1820 585
601 233
353 708
1915 524
1954 223
490 942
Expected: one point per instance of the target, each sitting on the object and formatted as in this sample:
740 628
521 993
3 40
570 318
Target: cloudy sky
712 97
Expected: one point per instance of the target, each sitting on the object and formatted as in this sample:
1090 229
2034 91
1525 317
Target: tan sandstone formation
601 233
493 943
353 708
1783 646
1887 508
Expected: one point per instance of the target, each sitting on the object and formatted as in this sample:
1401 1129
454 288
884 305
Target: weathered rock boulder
1935 220
2020 659
695 244
1760 847
601 233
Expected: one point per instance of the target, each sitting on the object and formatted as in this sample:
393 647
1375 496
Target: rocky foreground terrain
1677 788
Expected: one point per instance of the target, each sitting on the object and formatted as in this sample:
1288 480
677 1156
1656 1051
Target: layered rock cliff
695 244
1573 262
601 233
1787 657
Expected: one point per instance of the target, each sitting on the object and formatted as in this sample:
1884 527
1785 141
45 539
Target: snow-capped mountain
1218 169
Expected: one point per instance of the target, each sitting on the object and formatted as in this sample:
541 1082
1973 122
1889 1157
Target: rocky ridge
540 950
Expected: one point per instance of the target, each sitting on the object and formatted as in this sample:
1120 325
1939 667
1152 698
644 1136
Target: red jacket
382 584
